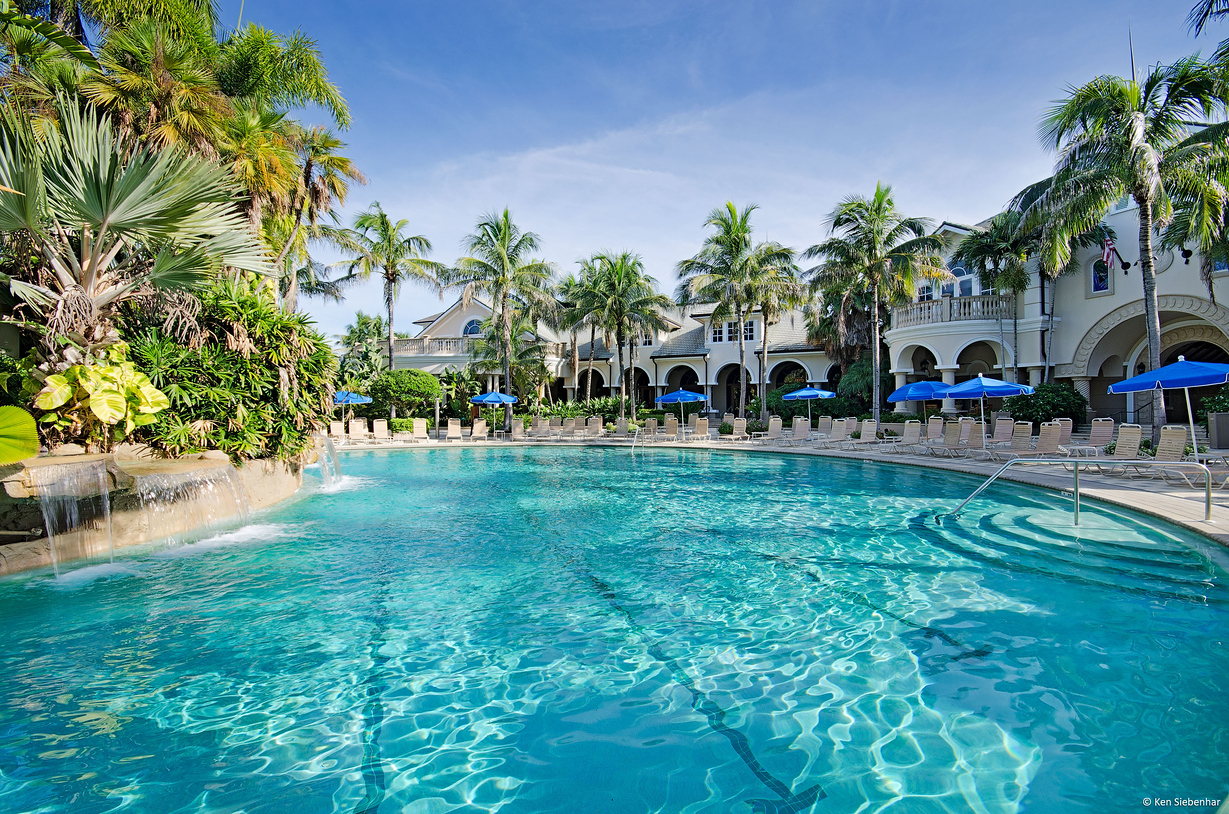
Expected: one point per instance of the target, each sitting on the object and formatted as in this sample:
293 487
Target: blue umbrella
492 399
1181 374
681 397
346 397
810 394
920 391
983 387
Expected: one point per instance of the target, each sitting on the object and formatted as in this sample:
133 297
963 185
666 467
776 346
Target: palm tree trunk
575 359
505 320
742 366
1152 312
764 367
291 302
875 395
1050 329
623 372
589 373
1015 333
388 303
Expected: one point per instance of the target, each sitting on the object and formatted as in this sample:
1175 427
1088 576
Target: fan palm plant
1146 139
498 263
381 246
876 249
725 273
110 220
629 306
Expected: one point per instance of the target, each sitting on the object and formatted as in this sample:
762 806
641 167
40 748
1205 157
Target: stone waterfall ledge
264 484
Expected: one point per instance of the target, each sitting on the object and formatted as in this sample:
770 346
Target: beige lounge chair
867 436
1065 437
770 435
836 435
1126 448
594 429
910 437
518 429
454 430
1021 441
420 431
1047 445
728 418
951 445
671 431
379 431
358 431
1171 450
337 431
478 433
649 434
799 432
620 430
1003 428
740 431
1100 434
934 429
966 430
823 426
700 432
568 430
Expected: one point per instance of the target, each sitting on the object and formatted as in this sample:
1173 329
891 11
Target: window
963 287
749 330
472 328
1100 281
1220 267
647 340
716 331
731 332
925 293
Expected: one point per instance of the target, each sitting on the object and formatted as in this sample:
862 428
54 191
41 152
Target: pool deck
1178 504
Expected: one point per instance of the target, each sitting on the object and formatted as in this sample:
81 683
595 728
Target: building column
901 380
949 378
1034 376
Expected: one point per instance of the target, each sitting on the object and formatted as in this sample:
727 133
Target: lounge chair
337 431
951 446
1171 450
966 430
420 431
769 436
1021 441
594 429
1003 428
478 433
358 431
454 430
671 432
868 436
909 439
799 432
650 431
1101 433
1126 448
379 431
1047 444
728 418
823 426
1068 425
568 430
740 431
620 430
518 429
836 435
934 429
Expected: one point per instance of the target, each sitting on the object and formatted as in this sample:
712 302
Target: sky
620 126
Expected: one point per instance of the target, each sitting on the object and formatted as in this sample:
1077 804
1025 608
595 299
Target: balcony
952 309
456 346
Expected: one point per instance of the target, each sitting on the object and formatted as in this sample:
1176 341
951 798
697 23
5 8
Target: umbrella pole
1191 415
982 402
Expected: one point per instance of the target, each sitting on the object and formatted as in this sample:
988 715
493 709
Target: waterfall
182 503
76 503
330 467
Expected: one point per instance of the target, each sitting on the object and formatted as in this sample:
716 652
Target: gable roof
427 322
686 343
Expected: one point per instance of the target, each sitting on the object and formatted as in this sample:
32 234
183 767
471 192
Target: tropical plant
1145 139
527 360
726 272
96 404
1049 401
629 306
362 358
1204 12
998 253
18 435
459 386
14 19
876 249
582 309
381 246
255 383
407 391
255 145
108 221
499 265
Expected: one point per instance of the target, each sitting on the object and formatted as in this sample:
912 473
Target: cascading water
182 503
330 467
76 503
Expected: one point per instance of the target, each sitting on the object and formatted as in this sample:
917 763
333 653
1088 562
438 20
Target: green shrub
256 382
1218 403
725 429
754 425
1051 401
410 392
401 425
10 381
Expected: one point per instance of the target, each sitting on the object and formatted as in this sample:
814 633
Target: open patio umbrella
346 397
493 399
681 397
920 391
980 388
809 394
1181 374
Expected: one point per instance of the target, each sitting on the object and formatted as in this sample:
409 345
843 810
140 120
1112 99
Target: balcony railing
952 309
456 346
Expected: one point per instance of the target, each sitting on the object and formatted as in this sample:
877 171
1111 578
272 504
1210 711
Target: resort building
956 331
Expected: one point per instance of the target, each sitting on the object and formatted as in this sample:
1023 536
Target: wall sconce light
1186 256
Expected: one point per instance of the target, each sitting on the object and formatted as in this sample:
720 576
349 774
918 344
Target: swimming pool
567 629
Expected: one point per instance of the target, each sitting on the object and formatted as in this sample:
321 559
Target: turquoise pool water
584 630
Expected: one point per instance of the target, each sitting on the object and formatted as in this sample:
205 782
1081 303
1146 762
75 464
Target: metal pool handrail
1075 479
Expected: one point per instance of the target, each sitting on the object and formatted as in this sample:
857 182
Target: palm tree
776 289
110 219
725 272
876 249
998 254
1204 11
381 246
584 309
629 305
1119 137
498 264
527 361
255 144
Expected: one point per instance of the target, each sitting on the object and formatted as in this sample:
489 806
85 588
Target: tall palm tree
776 289
629 306
998 254
585 310
381 246
876 249
255 144
724 273
1145 139
324 182
499 264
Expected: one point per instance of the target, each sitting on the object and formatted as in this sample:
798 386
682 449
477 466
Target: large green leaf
18 435
56 392
108 405
52 33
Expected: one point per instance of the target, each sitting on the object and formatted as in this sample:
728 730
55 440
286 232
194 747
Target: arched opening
643 390
1197 351
787 373
979 357
924 364
729 385
597 388
833 378
683 377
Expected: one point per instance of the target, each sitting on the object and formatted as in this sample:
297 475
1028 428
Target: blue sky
621 125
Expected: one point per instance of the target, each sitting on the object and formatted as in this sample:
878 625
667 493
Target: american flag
1107 252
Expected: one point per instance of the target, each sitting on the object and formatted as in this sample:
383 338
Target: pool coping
1180 506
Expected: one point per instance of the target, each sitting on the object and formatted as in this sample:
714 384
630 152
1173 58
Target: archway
977 357
597 388
787 372
642 388
729 385
1193 351
682 377
925 364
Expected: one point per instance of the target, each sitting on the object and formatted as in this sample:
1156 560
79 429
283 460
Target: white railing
457 346
952 309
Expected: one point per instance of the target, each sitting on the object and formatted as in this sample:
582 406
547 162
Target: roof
790 334
600 351
685 343
428 320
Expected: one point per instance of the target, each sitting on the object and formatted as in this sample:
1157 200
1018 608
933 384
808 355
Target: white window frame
717 332
477 328
1089 293
749 330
